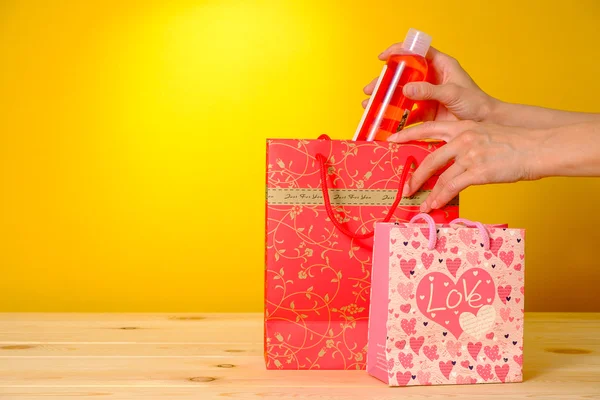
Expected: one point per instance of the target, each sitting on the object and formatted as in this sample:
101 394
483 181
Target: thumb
446 94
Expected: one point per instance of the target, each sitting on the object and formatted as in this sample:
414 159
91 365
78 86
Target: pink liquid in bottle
388 109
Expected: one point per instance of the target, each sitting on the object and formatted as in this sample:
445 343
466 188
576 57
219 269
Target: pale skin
488 140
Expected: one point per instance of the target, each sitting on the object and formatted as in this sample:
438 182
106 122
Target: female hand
453 96
482 153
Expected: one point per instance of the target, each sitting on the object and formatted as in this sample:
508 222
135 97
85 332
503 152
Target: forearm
535 117
572 150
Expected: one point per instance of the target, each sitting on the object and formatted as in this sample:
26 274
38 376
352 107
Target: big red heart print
442 300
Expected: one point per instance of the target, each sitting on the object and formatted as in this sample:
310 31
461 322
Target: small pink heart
431 352
416 343
465 364
396 315
485 371
416 234
490 335
511 319
408 266
393 241
454 250
453 265
403 378
408 326
522 256
495 245
522 289
474 349
415 244
446 368
517 267
427 260
493 352
406 360
502 371
504 292
440 246
487 255
400 344
405 308
518 359
507 257
518 300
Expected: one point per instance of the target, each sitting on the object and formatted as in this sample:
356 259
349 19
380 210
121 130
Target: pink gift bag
446 303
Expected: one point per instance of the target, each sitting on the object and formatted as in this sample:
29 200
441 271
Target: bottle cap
416 42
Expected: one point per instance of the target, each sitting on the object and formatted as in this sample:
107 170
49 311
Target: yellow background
132 137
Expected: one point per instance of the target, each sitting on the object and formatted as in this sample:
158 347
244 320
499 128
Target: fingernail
424 207
434 205
392 138
410 90
405 190
381 55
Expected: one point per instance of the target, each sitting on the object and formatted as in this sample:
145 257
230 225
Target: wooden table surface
219 356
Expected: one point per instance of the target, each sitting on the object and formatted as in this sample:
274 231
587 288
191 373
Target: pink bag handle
331 214
432 229
485 236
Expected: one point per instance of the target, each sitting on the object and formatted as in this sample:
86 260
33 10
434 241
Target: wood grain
215 356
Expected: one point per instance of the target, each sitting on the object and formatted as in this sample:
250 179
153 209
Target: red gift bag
323 199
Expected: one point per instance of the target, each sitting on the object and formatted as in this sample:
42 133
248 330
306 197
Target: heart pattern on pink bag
464 323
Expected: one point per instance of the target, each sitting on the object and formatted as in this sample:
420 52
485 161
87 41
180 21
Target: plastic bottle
388 109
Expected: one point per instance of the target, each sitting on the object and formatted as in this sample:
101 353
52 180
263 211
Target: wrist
495 111
545 157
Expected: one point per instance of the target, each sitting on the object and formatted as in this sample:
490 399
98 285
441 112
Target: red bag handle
330 213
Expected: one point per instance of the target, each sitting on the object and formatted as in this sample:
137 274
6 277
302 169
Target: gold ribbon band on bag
344 197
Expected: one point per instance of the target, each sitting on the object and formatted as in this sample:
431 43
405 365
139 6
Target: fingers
431 130
432 163
370 87
433 54
395 48
364 103
446 94
444 182
451 190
